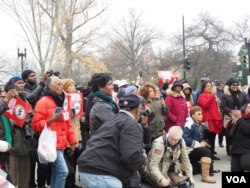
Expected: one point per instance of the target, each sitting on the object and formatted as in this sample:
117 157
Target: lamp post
22 55
184 49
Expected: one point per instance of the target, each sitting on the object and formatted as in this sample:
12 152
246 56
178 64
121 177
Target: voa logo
236 179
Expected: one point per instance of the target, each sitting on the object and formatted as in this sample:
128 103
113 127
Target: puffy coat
177 110
44 110
227 100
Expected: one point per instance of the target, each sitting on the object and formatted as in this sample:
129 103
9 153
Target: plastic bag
47 146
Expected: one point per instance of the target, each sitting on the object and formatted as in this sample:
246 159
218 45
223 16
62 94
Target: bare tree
128 41
58 30
240 28
78 30
209 46
39 29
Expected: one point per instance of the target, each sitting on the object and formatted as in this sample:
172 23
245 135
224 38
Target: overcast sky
164 15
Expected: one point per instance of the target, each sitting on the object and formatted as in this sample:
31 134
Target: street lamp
22 55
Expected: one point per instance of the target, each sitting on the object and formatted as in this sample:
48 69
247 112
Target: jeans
59 171
97 181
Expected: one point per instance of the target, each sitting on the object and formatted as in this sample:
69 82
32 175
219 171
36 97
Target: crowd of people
127 133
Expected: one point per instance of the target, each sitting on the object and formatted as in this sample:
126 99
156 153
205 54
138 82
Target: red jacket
177 110
210 112
44 110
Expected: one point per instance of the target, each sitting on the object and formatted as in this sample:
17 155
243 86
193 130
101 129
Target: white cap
122 83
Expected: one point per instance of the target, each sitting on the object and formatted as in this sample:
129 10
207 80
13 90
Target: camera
145 112
172 167
185 184
55 73
79 88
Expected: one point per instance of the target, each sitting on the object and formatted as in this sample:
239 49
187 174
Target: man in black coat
33 92
115 151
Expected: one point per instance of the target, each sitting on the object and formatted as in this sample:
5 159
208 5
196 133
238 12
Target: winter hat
129 102
130 90
67 83
26 74
122 83
11 82
186 86
176 83
232 81
205 79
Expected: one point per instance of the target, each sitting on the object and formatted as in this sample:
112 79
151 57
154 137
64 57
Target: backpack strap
164 137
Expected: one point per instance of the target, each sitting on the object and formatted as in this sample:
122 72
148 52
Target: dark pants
44 172
32 181
210 138
240 162
71 163
195 157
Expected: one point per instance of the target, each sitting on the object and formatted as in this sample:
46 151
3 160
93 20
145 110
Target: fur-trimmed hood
174 94
227 92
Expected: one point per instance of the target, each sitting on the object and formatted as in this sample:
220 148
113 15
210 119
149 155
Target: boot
205 166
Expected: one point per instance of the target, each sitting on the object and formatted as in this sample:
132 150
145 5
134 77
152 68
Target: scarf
108 99
59 99
235 96
6 124
246 116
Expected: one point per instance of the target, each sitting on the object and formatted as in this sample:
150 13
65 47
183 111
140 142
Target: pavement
223 164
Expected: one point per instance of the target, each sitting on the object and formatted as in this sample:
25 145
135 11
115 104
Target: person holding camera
115 152
199 152
33 92
156 110
164 159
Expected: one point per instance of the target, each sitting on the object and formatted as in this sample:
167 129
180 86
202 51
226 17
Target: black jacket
33 93
241 140
227 100
115 149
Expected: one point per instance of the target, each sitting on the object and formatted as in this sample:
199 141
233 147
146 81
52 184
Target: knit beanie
10 84
26 74
67 83
232 81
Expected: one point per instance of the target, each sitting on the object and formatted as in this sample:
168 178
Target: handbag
47 146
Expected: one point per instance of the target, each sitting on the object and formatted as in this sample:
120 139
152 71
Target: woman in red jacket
45 113
209 103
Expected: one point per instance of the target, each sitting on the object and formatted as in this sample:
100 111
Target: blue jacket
192 133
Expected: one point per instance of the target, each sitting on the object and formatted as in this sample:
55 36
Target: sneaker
215 158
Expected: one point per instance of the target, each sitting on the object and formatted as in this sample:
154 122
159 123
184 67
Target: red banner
18 110
76 102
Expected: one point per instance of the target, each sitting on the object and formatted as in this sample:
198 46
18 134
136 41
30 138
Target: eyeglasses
235 84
